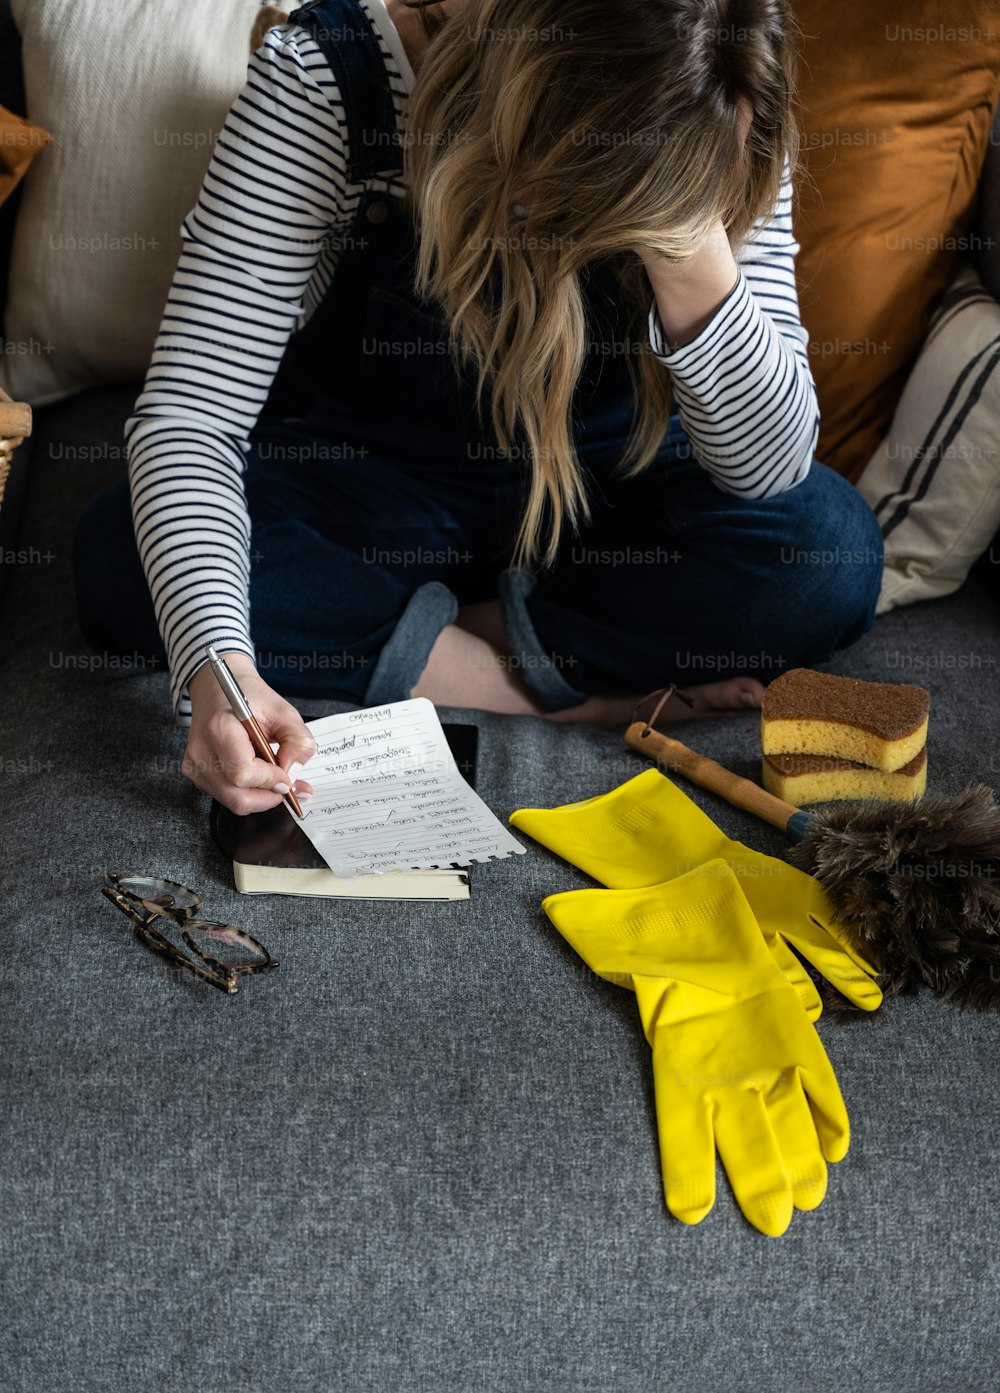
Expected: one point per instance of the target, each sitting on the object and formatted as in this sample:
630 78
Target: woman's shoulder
294 64
291 51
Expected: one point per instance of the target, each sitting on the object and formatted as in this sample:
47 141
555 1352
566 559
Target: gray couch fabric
421 1155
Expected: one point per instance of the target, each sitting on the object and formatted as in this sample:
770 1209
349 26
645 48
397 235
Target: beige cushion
134 95
934 482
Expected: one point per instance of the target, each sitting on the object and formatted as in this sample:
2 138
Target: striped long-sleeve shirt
259 248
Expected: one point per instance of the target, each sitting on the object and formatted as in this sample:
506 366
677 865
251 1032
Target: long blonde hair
617 123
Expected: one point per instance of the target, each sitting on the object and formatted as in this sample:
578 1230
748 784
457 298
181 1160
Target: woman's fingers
296 746
221 760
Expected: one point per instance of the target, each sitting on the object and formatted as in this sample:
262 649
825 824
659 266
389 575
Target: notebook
272 855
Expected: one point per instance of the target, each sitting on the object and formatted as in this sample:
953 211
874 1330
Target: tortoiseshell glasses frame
147 898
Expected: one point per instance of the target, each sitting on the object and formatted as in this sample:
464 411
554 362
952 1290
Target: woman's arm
688 297
742 382
273 191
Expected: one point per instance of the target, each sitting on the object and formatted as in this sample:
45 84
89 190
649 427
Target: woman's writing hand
220 758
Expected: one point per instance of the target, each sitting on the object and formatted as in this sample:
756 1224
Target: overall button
378 211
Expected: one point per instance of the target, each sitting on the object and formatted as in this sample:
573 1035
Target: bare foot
485 622
709 699
469 665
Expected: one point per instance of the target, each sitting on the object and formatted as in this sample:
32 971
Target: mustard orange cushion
897 102
20 142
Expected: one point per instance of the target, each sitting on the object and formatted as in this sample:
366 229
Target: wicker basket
15 424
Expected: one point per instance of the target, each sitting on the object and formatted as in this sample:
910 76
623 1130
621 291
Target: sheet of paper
390 797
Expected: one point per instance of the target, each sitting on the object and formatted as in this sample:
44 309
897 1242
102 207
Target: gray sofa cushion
421 1155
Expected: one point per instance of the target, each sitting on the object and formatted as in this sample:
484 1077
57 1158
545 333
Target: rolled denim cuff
539 669
404 656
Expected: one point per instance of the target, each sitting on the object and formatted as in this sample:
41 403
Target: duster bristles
918 885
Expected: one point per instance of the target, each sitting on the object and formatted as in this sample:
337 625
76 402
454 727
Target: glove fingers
829 1113
795 975
840 967
753 1162
687 1145
795 1128
823 918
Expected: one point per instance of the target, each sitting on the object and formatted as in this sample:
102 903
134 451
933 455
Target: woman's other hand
690 292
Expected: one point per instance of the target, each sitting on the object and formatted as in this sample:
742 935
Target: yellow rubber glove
647 830
736 1063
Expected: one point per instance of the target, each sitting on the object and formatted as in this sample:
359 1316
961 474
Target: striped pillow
934 482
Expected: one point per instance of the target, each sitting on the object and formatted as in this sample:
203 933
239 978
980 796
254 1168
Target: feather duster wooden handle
717 779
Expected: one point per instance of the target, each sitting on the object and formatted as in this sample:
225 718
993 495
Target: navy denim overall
379 501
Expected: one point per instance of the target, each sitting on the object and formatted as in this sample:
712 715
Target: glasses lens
161 897
223 944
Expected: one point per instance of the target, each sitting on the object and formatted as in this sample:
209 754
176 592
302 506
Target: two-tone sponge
825 738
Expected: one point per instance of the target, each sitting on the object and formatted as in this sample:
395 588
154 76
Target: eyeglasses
146 898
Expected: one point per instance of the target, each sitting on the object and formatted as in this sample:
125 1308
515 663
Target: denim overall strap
371 343
344 33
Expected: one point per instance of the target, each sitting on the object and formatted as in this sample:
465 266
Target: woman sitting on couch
542 438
